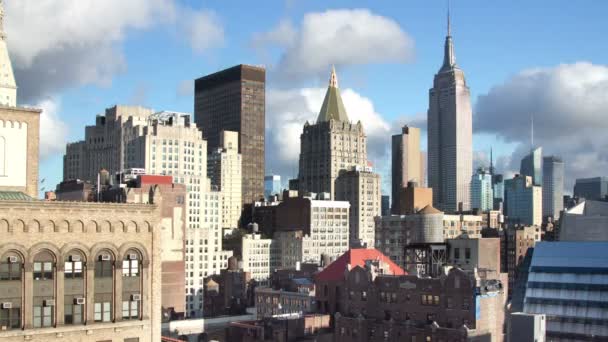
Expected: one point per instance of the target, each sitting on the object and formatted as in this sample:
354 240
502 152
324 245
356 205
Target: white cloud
341 37
53 131
76 42
288 110
570 110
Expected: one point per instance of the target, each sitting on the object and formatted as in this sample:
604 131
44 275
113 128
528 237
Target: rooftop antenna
449 26
532 130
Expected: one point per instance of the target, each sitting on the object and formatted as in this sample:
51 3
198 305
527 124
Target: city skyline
384 92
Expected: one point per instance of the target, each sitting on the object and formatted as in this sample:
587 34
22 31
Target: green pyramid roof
333 107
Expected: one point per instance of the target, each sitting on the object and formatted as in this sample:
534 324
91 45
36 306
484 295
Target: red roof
357 257
154 179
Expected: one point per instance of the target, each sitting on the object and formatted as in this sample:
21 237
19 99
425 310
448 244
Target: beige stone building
105 143
407 163
164 143
360 187
260 257
224 168
19 138
330 145
75 271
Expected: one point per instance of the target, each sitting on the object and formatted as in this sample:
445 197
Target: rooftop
14 196
356 257
565 254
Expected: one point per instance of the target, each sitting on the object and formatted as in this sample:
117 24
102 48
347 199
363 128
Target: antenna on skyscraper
532 131
491 162
449 26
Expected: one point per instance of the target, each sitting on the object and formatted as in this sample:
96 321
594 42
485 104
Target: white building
8 86
260 257
360 187
225 170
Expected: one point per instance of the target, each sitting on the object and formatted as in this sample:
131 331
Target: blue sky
151 63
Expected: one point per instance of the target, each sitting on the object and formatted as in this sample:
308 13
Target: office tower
450 142
224 170
532 165
105 144
482 195
574 267
591 188
407 162
234 100
413 198
272 185
385 205
523 201
553 186
360 187
331 144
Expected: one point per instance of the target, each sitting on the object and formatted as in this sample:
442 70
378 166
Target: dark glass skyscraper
234 100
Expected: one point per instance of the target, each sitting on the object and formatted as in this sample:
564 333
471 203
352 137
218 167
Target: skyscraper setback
450 134
234 100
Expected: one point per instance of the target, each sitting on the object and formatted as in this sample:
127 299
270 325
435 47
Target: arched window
104 286
131 285
74 293
44 289
10 298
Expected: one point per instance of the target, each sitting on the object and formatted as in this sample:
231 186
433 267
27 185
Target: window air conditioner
132 256
75 257
13 259
106 257
136 297
79 301
7 305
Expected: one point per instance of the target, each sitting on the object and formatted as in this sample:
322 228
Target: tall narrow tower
450 134
8 87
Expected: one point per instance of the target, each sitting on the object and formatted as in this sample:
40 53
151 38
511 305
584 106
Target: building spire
333 78
2 35
449 59
491 162
449 25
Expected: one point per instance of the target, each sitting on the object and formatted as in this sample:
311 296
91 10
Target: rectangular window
467 253
73 269
10 271
43 270
130 310
103 269
10 319
73 314
103 312
456 253
43 316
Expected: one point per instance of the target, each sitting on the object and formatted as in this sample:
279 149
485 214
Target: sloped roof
333 107
567 254
356 257
14 196
429 209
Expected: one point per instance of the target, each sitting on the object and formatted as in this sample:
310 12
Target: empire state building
450 135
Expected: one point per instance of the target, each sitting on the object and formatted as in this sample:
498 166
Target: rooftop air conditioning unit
79 301
106 257
75 257
136 297
13 259
49 302
132 256
7 305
